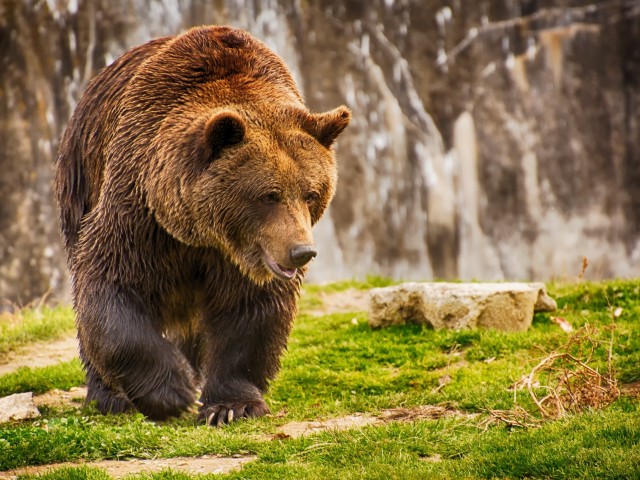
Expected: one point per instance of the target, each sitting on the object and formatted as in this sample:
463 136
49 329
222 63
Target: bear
188 180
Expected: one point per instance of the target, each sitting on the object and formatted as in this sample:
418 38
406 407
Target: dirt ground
359 420
350 300
41 355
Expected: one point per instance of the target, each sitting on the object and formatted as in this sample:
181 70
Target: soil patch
359 420
301 429
59 398
41 355
630 389
350 300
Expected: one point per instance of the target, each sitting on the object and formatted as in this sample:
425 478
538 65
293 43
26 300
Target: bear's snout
302 254
298 256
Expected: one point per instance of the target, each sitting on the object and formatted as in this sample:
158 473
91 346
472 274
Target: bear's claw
223 414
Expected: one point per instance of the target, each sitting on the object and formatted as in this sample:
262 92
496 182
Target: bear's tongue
279 270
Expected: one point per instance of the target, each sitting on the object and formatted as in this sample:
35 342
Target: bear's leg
107 400
118 334
191 346
241 358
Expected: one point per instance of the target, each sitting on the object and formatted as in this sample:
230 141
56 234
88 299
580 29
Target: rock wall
490 140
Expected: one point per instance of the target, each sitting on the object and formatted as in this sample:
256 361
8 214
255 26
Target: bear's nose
302 254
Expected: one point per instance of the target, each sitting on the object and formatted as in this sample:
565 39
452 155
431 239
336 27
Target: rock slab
19 406
502 306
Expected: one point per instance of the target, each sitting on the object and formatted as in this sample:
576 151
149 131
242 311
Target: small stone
503 306
18 406
563 324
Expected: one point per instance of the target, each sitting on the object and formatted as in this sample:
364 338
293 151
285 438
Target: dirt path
41 355
359 420
350 300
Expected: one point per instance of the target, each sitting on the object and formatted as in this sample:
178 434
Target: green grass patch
86 435
73 473
62 376
336 365
593 445
26 326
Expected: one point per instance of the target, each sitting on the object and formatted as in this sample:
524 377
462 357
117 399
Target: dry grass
565 381
515 417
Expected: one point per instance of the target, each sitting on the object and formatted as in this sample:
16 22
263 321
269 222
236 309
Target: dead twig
583 269
515 417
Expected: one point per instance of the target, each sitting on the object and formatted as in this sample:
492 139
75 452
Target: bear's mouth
279 271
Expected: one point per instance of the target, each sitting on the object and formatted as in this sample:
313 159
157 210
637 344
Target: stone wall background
490 140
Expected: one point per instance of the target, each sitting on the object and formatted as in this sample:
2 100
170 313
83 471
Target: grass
63 376
336 365
26 326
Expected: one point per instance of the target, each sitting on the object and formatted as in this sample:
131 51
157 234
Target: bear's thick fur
188 180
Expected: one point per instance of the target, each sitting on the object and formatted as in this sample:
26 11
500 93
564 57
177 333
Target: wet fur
169 290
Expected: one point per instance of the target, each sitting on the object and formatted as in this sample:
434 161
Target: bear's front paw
108 401
224 413
170 399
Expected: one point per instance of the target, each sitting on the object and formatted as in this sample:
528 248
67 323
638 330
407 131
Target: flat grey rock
502 306
18 406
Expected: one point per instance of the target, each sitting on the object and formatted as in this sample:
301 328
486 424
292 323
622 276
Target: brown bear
188 180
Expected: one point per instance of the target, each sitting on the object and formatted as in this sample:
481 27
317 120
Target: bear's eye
311 197
271 198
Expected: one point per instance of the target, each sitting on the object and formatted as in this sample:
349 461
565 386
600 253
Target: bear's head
236 161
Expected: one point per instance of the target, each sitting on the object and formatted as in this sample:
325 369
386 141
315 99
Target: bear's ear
325 127
224 129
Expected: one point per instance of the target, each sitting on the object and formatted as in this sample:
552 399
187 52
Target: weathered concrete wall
491 140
